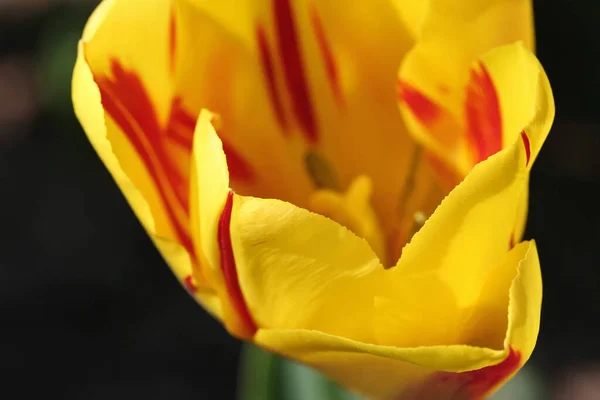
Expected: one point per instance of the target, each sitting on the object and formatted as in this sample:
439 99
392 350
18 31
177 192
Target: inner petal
305 108
353 209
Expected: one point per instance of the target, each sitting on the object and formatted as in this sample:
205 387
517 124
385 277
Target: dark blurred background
90 311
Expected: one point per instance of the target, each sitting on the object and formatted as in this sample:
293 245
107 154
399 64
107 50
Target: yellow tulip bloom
260 144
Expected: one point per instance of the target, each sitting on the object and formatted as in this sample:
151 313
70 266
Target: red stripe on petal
480 382
180 129
289 49
189 284
449 177
425 110
470 385
229 268
125 99
527 147
239 169
327 54
482 113
269 71
172 40
181 125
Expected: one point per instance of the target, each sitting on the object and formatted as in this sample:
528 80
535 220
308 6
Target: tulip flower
344 184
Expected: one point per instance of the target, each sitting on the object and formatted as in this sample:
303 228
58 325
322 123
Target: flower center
384 211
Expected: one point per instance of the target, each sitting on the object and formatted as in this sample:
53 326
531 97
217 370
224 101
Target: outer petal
133 109
302 270
449 102
472 227
452 372
513 75
145 25
210 194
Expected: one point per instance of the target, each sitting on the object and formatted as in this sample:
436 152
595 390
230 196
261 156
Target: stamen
419 219
398 238
409 184
321 171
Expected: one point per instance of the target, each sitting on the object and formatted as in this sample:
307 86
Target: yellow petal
491 19
440 81
120 132
211 204
497 184
236 16
299 270
523 97
475 225
210 187
353 210
413 14
218 71
524 94
525 303
144 29
511 298
132 83
379 372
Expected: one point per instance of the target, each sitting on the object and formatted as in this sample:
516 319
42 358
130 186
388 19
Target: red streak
480 382
471 385
289 49
125 99
448 176
422 107
527 146
182 125
269 71
326 53
239 169
172 40
189 284
229 269
482 113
